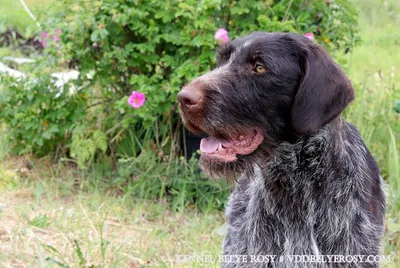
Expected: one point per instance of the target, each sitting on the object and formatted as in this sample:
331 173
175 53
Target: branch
30 13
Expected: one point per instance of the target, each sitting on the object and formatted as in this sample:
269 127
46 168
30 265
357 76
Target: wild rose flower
309 36
45 38
44 35
136 99
221 35
56 35
43 42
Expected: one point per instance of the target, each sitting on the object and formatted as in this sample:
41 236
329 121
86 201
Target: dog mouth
227 150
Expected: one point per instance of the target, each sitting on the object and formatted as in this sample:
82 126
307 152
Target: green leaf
94 37
78 251
58 263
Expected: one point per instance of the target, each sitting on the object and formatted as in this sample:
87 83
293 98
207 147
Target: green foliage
85 143
38 116
180 186
8 179
153 47
41 221
13 15
52 250
77 247
149 46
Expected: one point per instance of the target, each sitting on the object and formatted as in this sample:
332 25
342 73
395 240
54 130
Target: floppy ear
323 93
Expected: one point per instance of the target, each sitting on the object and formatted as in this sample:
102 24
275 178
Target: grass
14 15
374 69
50 217
36 223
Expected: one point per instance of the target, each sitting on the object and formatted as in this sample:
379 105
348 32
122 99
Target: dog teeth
220 147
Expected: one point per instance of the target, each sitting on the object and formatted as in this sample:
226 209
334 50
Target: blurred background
96 170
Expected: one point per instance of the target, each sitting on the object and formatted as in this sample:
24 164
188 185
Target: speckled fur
312 187
312 197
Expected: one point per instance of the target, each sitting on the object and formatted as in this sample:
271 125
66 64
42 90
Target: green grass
136 233
66 216
374 70
14 15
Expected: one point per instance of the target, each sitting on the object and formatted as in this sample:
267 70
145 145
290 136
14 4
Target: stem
29 13
287 10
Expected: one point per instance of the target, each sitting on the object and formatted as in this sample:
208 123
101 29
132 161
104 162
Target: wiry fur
319 196
312 187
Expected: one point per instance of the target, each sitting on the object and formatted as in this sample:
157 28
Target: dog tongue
211 144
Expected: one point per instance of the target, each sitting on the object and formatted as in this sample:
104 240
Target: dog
304 181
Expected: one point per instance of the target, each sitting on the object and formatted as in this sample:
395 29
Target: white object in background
19 60
11 72
63 78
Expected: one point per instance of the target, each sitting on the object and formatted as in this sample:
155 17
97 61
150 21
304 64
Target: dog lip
227 150
221 158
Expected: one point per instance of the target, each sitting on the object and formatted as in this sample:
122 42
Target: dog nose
190 96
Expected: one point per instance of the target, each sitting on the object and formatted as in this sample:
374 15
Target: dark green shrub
180 185
153 47
38 117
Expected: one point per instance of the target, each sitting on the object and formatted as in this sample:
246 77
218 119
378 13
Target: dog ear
323 93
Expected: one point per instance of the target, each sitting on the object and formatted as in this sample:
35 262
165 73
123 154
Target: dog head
266 88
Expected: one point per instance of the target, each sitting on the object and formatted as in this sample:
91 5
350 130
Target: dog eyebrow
253 56
247 43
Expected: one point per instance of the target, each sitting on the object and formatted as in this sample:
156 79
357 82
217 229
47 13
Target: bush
153 47
179 185
38 116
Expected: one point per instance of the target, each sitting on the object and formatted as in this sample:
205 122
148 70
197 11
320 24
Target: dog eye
260 69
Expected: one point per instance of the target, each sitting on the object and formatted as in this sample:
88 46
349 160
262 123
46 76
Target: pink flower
56 38
136 99
309 36
44 34
44 43
58 32
221 35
